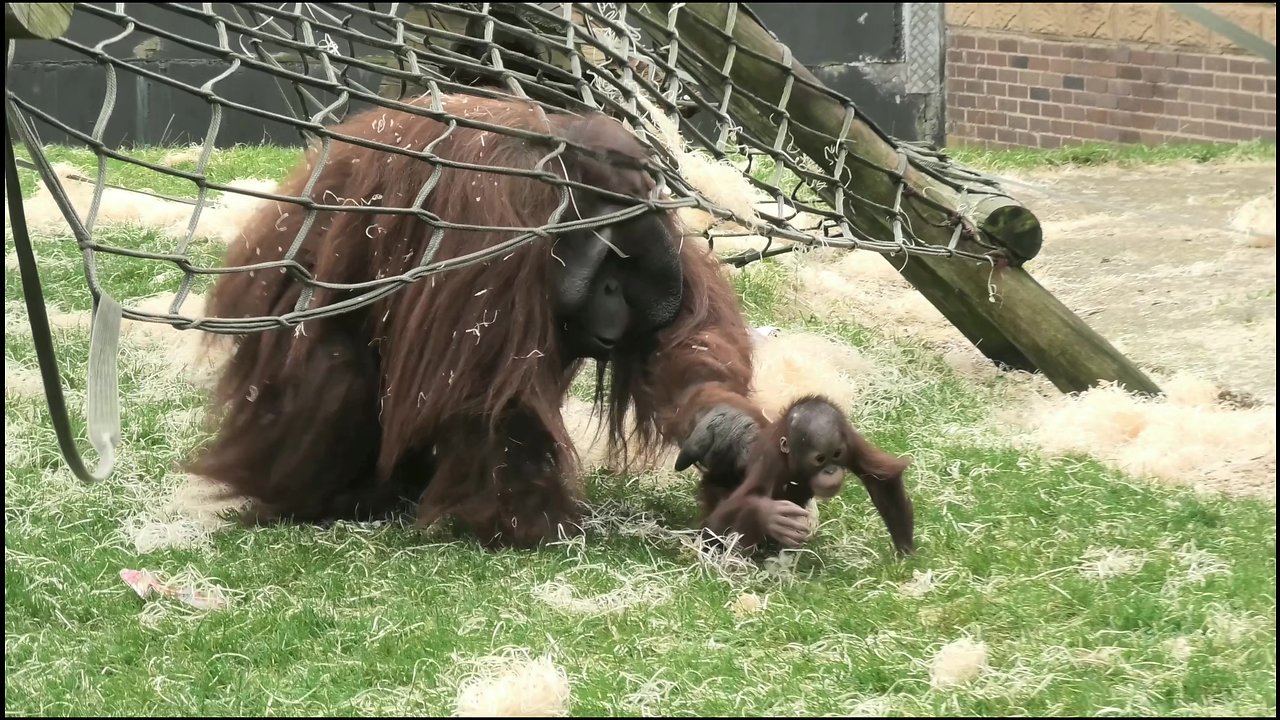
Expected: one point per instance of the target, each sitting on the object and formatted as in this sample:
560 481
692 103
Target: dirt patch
1151 261
1173 266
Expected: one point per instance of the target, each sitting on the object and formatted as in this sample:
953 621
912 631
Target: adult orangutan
448 391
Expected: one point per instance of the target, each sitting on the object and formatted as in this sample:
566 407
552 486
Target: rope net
331 61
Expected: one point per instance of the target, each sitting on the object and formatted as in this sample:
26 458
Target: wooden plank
1027 327
36 21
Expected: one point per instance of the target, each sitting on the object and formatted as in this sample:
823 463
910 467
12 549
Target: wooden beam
36 21
1026 327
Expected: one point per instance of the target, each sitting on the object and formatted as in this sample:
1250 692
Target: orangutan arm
700 381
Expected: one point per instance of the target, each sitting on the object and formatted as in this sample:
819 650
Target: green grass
226 165
373 619
1091 154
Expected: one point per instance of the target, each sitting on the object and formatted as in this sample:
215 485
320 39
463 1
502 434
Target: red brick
1084 130
995 88
1107 101
1142 90
1018 91
1060 66
1053 50
1154 74
1190 62
986 42
986 73
1008 45
1243 67
973 86
1005 135
1075 52
1216 63
1108 133
1098 116
1007 75
986 132
986 102
966 101
1106 70
997 59
1226 81
1194 95
1200 110
1050 141
1226 114
1165 91
954 56
1026 139
1204 80
1264 102
1193 127
1038 62
1129 72
1040 124
1061 127
1142 121
1062 97
1018 122
1095 85
963 41
1050 110
1033 78
1164 59
1006 105
1168 123
1252 84
1217 130
1029 107
1153 138
1241 100
1253 118
1216 97
1028 47
955 85
1241 132
1127 102
1073 112
1129 135
1141 57
1177 108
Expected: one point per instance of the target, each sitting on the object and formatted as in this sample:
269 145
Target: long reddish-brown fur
771 479
447 391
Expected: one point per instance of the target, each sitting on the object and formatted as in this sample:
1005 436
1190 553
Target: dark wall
66 80
856 48
861 50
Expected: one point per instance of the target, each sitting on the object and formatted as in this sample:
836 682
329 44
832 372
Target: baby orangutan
802 456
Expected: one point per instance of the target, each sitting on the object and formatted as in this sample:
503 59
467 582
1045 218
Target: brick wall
1013 85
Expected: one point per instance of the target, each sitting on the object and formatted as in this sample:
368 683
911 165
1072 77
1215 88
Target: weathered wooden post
1026 328
36 21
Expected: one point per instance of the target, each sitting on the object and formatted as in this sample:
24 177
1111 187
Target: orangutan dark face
616 283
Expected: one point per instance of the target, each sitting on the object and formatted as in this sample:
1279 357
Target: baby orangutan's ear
782 445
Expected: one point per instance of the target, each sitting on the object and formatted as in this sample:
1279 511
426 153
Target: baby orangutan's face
817 460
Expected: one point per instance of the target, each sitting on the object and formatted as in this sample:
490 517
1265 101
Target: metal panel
886 57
